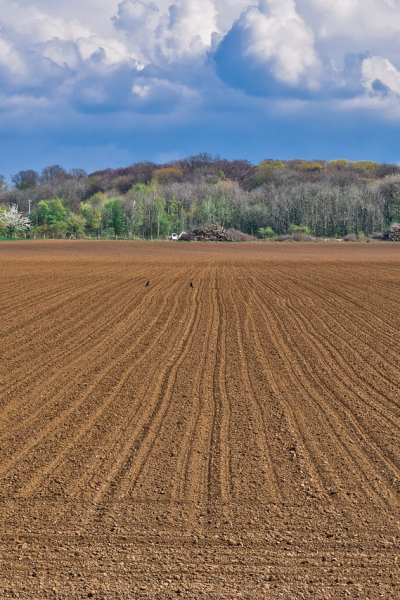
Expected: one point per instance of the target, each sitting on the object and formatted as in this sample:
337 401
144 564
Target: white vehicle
173 236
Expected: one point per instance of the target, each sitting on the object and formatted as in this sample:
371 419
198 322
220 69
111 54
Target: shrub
266 232
239 236
378 235
302 237
299 229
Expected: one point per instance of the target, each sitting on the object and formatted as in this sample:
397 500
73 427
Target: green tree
266 171
366 167
206 212
390 188
174 209
309 166
113 216
134 208
159 214
299 229
134 214
3 222
340 164
92 217
75 224
266 232
223 210
50 217
51 212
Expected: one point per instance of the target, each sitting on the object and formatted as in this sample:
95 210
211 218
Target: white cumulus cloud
10 58
380 75
122 55
32 40
343 26
275 35
183 31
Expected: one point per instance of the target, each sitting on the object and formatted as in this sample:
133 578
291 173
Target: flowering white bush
14 220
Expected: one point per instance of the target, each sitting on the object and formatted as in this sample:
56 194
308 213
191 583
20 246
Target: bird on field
147 284
191 284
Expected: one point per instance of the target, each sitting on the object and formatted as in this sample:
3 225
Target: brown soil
237 439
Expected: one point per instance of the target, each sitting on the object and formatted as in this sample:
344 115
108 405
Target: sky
102 83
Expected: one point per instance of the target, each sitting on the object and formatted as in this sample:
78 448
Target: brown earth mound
237 438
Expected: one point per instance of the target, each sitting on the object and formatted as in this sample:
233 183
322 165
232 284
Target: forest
273 199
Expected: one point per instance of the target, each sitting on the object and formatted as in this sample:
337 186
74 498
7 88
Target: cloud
269 51
380 75
138 19
276 35
154 95
31 38
276 47
179 64
311 48
10 59
191 26
344 27
356 20
184 32
229 11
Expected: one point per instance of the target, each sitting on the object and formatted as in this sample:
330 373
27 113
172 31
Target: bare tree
51 172
78 173
25 179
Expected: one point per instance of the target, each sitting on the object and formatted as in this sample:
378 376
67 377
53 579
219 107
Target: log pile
393 233
212 233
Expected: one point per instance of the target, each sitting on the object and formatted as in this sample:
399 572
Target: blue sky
102 83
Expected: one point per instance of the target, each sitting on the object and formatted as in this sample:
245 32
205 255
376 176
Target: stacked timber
212 233
393 233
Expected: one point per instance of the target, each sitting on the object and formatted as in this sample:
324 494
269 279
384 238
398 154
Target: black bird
191 284
148 283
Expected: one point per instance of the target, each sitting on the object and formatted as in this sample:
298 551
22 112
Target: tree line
150 201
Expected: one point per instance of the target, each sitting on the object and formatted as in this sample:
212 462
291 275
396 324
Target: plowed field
235 439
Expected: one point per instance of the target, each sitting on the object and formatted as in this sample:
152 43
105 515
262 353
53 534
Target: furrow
83 346
191 481
223 407
297 461
49 304
367 390
302 452
129 463
56 422
215 476
361 326
341 329
248 398
332 426
135 401
72 339
367 446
